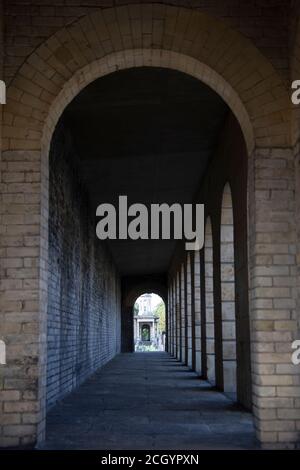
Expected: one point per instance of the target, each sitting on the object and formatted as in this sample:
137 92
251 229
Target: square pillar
23 298
273 317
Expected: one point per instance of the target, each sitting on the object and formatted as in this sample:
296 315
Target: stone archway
180 38
132 288
104 42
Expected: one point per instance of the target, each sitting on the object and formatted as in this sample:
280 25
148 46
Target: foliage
145 333
160 312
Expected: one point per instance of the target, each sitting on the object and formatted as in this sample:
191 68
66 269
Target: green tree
160 312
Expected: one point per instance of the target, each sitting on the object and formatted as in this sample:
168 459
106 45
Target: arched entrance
149 314
33 117
171 108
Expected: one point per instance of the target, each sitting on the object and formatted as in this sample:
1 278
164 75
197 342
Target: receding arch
152 58
135 291
132 289
209 303
227 259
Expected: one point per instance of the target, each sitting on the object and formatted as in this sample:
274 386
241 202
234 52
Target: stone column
174 316
182 313
23 299
228 300
193 342
276 381
178 316
210 323
135 330
170 323
189 312
197 306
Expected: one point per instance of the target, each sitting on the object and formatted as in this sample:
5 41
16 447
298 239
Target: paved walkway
147 401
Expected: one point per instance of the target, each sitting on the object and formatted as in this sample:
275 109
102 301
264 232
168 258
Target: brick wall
84 296
1 77
1 68
295 75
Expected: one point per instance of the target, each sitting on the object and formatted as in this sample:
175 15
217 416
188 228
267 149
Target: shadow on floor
147 401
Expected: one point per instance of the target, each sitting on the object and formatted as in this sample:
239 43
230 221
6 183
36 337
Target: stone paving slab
148 401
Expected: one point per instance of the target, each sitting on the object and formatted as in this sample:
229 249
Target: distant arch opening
149 314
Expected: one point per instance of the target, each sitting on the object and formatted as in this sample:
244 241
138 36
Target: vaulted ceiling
147 133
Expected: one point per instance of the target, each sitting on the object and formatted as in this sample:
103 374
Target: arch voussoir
180 38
